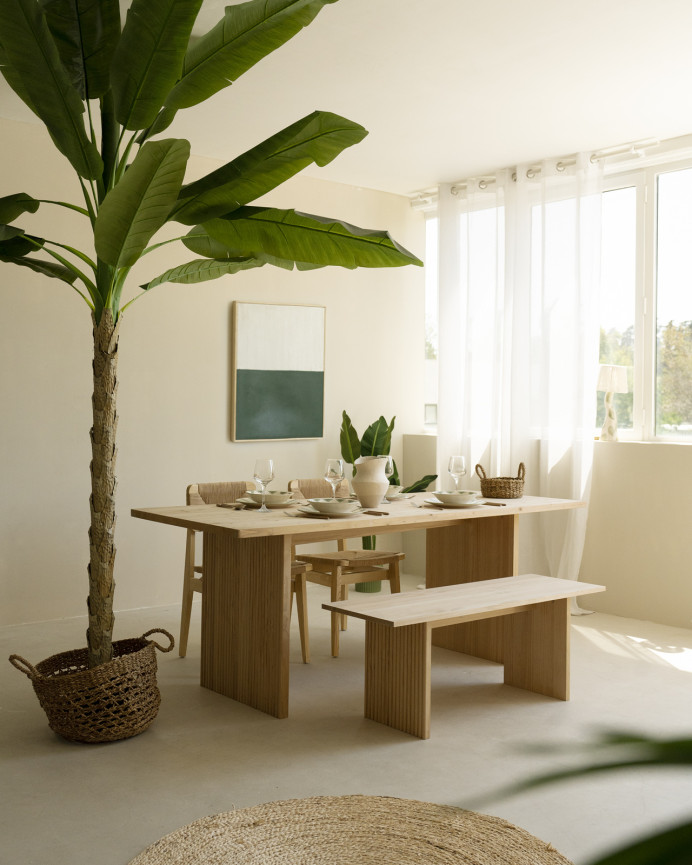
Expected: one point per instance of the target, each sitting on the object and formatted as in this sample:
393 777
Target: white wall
173 386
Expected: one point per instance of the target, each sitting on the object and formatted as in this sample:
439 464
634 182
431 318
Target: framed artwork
278 372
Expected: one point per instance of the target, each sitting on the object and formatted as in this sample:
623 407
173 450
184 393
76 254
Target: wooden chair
337 570
214 494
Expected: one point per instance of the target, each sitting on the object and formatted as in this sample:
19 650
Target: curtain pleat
519 268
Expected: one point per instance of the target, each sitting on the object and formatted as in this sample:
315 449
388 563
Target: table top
404 515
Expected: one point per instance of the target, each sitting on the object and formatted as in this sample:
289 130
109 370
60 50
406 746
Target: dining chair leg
394 577
336 618
188 592
344 597
300 589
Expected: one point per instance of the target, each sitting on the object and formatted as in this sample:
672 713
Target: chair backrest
318 488
216 494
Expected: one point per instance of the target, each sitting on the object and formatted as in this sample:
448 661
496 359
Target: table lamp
611 379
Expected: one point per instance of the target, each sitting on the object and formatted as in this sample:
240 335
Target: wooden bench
535 638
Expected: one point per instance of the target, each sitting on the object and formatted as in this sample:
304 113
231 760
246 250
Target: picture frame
277 371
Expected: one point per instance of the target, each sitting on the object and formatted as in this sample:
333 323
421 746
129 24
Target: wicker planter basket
502 488
109 702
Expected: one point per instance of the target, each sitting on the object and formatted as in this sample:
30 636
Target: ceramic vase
370 483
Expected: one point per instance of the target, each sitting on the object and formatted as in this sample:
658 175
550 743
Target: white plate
309 511
401 496
252 504
440 504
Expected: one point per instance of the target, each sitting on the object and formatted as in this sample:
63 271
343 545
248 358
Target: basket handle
522 471
24 666
480 471
160 631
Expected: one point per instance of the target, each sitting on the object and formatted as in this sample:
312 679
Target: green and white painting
278 372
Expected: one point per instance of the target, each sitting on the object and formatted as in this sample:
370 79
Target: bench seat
398 646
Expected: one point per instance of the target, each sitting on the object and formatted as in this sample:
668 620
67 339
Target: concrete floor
63 803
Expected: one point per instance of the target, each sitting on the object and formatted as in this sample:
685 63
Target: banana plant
104 90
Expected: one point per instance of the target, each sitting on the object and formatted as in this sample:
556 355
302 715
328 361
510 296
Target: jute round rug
350 830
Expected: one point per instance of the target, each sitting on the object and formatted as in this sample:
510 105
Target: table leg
537 649
470 550
246 618
397 677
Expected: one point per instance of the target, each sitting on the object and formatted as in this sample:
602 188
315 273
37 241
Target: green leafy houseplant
376 441
104 91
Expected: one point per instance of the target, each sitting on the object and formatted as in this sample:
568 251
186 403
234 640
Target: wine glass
334 474
264 475
457 469
389 471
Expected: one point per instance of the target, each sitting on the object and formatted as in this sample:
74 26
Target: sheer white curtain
519 264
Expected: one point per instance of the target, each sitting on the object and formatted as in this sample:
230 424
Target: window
645 303
673 364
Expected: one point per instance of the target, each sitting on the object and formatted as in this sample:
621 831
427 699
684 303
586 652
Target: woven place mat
350 830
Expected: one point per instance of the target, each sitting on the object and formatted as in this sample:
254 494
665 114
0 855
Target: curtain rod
425 198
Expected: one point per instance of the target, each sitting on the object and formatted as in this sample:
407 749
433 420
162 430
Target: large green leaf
421 485
377 438
349 440
85 33
295 236
149 58
318 138
15 249
200 242
201 270
7 232
246 34
135 209
38 77
12 206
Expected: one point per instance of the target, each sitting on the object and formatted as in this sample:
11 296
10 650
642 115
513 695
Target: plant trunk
102 501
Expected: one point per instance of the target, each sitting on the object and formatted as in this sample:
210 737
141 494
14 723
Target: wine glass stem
264 508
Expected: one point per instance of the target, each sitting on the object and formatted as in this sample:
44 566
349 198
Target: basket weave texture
113 701
350 830
502 488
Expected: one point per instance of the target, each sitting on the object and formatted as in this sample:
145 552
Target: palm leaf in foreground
670 847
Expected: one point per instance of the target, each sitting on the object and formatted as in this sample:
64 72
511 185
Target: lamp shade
612 379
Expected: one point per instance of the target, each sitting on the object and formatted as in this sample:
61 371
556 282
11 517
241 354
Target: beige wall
173 386
639 532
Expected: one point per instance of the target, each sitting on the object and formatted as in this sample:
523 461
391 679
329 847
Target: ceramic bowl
455 497
334 506
393 492
271 497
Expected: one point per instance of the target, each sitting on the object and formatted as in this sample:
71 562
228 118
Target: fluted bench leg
397 677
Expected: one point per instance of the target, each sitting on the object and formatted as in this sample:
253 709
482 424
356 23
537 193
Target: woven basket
103 704
502 488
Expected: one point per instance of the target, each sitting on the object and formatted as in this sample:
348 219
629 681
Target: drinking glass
264 475
457 469
334 474
389 471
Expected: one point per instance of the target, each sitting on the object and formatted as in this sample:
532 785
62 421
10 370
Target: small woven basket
502 488
113 701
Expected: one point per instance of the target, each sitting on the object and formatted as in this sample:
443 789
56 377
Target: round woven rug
350 830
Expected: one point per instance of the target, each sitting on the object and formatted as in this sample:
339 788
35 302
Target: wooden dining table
246 601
